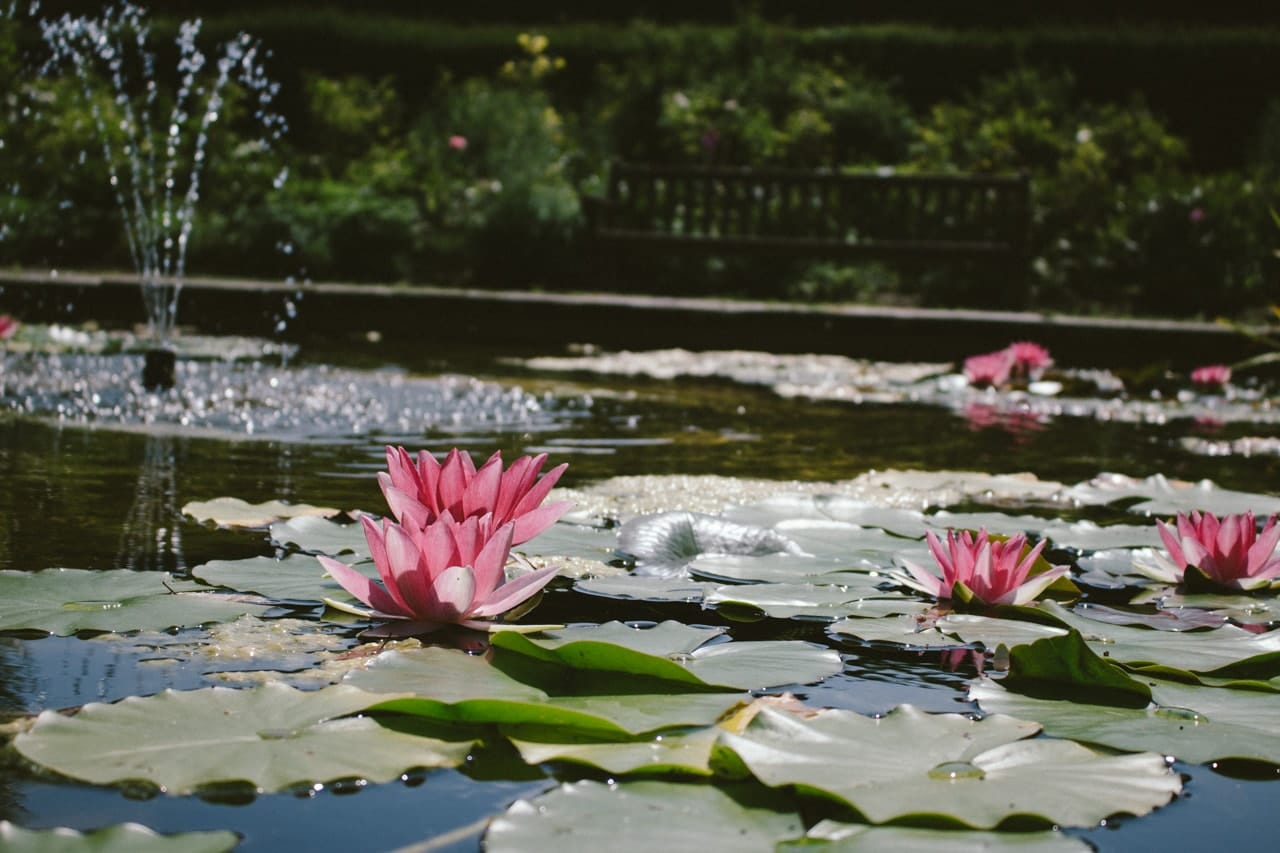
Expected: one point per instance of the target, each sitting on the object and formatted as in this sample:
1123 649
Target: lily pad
270 737
976 773
235 512
789 568
646 588
451 685
646 815
297 577
687 752
64 601
679 653
948 631
830 836
573 540
121 838
313 535
664 544
811 601
1193 723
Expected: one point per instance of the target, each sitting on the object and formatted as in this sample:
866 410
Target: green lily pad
642 588
788 569
687 752
270 737
975 773
121 838
666 815
678 653
313 535
297 577
830 836
811 601
234 512
1242 608
579 541
1193 723
64 601
451 685
948 631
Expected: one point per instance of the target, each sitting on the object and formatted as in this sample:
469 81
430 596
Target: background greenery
1154 149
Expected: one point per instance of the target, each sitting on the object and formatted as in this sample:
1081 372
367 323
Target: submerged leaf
235 512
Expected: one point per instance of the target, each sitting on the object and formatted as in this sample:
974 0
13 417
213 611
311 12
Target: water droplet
681 657
277 734
92 605
956 770
1176 713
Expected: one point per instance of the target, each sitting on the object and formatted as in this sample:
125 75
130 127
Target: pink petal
455 589
439 549
1262 550
429 491
453 483
514 592
1171 544
940 555
409 575
482 495
1029 591
515 482
928 580
399 501
360 586
490 564
376 537
532 523
401 471
539 490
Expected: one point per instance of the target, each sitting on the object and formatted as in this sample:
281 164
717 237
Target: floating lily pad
121 838
830 836
454 686
687 752
646 588
64 601
789 568
1193 723
270 737
573 540
948 631
1166 497
976 773
647 815
313 535
680 654
297 577
234 512
811 601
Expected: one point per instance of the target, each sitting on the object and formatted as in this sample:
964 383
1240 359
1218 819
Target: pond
89 491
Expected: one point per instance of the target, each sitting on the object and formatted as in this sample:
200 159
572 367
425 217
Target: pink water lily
8 326
1211 375
448 572
1230 551
422 491
1029 359
989 369
994 571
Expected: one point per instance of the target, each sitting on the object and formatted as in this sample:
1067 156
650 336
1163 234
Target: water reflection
151 537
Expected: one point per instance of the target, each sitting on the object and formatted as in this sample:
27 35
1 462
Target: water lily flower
419 493
1211 375
8 326
458 142
1029 359
989 369
1230 551
993 571
449 572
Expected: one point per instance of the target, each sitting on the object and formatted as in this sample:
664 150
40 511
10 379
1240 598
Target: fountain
155 143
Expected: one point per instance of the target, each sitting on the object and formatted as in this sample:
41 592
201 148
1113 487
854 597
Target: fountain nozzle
158 369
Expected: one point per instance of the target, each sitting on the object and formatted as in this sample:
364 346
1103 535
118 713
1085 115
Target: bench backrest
743 207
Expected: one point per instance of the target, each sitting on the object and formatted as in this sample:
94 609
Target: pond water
109 496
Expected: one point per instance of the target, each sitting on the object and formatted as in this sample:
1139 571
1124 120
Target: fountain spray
154 143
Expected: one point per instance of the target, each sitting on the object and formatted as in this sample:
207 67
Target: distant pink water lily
1029 359
458 142
8 326
1211 375
422 491
994 571
1230 551
449 572
991 369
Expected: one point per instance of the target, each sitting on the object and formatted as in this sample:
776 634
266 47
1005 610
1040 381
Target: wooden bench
814 214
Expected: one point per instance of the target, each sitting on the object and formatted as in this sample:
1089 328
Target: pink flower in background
458 142
1211 375
1029 359
1230 552
448 572
994 571
8 326
419 493
1196 215
988 369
